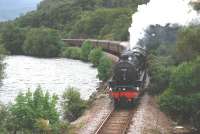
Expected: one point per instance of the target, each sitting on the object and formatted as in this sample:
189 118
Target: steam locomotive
129 76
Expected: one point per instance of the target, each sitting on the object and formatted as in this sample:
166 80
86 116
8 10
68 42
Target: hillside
103 19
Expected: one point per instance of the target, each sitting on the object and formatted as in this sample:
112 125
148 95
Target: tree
85 50
182 96
104 68
42 42
188 43
73 105
95 56
13 38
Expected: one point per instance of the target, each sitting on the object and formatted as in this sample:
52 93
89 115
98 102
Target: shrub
160 74
176 106
72 52
195 110
104 68
95 56
75 53
4 114
32 107
181 100
73 105
185 78
183 108
85 50
42 42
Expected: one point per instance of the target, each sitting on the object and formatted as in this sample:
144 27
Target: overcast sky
10 9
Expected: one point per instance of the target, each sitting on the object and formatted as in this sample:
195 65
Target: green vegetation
73 105
42 42
78 53
32 108
175 76
95 56
85 50
84 18
100 19
4 115
160 74
99 24
71 52
104 68
12 38
188 42
37 112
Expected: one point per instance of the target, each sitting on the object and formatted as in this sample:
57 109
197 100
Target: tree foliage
71 52
85 50
13 38
174 73
188 43
104 68
95 56
73 105
83 18
33 107
103 24
42 42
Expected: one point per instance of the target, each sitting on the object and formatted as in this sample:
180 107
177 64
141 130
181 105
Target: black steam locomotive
129 76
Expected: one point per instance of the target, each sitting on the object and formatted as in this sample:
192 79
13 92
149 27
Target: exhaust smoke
161 12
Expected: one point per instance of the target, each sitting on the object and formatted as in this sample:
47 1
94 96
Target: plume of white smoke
160 12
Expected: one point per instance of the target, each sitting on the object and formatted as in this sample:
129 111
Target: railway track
117 122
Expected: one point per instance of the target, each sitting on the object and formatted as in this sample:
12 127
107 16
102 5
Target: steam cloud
160 12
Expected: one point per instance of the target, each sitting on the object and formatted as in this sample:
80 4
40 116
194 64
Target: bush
4 114
181 100
32 107
104 68
95 56
73 105
75 53
185 78
85 50
182 108
72 52
160 74
175 105
42 42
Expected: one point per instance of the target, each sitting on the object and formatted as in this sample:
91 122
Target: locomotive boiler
129 76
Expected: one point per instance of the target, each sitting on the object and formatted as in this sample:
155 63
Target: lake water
54 75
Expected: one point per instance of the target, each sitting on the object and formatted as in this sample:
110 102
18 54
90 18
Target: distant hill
99 19
10 9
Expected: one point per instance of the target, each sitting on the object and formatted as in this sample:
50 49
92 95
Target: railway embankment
147 119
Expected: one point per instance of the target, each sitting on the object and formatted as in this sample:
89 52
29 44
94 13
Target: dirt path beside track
149 119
